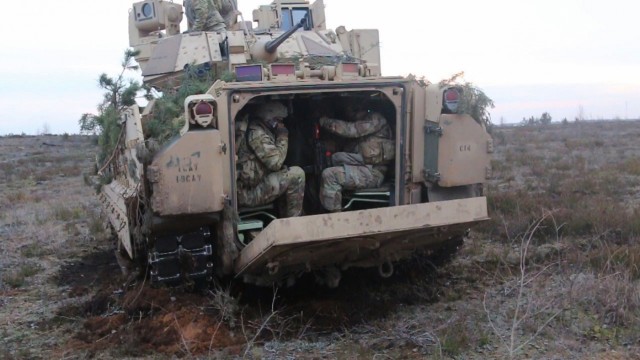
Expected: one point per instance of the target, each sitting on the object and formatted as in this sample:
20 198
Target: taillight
452 99
203 109
203 113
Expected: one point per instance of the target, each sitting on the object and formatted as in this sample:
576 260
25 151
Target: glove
324 122
281 130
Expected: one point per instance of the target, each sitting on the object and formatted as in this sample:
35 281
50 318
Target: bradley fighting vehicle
174 206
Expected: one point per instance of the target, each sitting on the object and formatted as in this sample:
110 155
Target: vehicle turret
267 51
149 22
287 31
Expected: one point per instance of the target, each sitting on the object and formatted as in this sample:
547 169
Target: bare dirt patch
144 321
94 270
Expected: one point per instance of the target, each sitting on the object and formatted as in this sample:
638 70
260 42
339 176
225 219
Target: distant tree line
545 119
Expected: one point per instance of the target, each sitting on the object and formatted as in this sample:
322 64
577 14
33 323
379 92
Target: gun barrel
272 45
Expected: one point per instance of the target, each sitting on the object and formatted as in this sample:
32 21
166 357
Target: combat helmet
271 111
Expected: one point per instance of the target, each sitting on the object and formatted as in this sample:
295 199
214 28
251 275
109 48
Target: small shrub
564 166
63 213
29 269
630 166
34 251
16 197
499 167
512 212
226 305
616 259
455 342
96 225
612 297
17 278
499 137
14 280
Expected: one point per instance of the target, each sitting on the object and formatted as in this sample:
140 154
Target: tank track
182 259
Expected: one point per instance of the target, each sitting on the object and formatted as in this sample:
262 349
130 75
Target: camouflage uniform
260 172
206 15
364 163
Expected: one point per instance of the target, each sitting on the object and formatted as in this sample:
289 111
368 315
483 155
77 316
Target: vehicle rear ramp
363 238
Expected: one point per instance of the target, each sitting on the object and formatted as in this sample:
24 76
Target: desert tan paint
188 176
416 131
134 136
266 16
463 151
113 197
116 195
353 225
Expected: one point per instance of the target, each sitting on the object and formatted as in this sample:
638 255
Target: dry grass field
554 275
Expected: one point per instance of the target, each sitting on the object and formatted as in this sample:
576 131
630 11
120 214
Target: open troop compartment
311 147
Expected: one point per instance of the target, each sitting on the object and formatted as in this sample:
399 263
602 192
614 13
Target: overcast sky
529 56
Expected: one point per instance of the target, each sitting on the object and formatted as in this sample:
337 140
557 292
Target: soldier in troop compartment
262 178
364 164
210 15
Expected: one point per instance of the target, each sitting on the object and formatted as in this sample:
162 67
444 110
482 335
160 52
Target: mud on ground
62 295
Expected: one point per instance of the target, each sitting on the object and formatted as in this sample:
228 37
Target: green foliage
167 117
119 94
474 101
64 213
96 224
17 278
34 250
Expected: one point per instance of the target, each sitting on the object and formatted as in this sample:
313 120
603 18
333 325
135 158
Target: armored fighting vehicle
174 206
